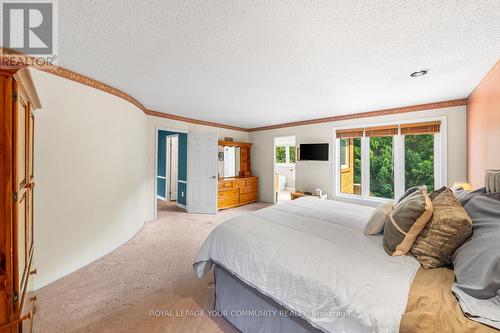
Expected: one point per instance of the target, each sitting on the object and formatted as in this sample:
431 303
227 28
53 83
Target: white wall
94 173
310 175
152 123
90 175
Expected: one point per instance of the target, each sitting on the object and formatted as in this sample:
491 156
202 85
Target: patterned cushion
449 227
408 219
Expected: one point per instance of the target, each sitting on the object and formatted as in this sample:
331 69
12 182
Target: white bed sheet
312 257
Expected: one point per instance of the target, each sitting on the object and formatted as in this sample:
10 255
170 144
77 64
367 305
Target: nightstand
298 194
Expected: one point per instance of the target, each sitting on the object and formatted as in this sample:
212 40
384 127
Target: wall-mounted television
313 152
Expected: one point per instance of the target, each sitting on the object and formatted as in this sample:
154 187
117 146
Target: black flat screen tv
314 152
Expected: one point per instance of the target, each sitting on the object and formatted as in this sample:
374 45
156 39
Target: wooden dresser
18 100
240 190
234 192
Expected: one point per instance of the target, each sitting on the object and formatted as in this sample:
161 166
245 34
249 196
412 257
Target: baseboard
161 198
182 206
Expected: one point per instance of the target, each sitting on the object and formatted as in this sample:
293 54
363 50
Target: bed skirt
250 311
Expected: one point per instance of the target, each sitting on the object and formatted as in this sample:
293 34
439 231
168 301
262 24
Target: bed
306 266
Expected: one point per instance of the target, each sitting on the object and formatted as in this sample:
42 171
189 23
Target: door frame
155 174
275 193
168 165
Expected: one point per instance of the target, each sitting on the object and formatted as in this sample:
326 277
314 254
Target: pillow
404 224
449 227
464 196
477 263
379 217
410 191
494 196
437 192
492 181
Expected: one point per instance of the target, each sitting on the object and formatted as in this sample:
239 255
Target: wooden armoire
18 100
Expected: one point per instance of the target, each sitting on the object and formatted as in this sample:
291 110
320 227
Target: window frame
440 161
347 156
287 154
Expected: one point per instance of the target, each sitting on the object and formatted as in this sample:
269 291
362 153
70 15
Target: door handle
213 177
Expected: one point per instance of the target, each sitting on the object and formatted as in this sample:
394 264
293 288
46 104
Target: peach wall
483 128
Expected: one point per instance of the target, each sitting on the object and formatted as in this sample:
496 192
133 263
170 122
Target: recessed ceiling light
419 73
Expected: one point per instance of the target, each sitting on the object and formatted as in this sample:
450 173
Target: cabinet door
21 205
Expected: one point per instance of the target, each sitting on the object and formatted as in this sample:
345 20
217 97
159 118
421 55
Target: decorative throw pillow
408 219
377 221
411 190
492 181
449 227
437 192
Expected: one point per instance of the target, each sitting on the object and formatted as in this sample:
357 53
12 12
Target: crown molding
194 121
25 61
88 81
384 112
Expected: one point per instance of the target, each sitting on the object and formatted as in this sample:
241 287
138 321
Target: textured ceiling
256 63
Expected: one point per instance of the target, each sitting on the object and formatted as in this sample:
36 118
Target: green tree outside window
291 150
280 154
357 160
381 167
419 161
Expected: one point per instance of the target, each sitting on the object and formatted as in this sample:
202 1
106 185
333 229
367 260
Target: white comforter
311 256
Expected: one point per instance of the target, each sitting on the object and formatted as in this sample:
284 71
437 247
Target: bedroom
392 95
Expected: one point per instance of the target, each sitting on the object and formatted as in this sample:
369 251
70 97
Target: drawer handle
33 272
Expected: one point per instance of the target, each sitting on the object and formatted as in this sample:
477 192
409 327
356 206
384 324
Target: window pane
344 153
381 167
350 172
280 154
419 161
292 154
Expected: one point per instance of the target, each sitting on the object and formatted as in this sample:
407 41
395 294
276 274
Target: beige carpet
152 271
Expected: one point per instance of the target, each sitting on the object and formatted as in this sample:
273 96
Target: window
344 153
383 162
419 161
350 171
381 167
280 154
285 154
291 152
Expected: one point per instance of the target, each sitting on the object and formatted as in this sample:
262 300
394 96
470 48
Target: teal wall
162 165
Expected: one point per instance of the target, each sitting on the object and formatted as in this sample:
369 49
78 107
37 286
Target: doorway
172 172
284 167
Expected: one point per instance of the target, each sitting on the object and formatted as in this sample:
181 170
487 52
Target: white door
172 166
202 173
